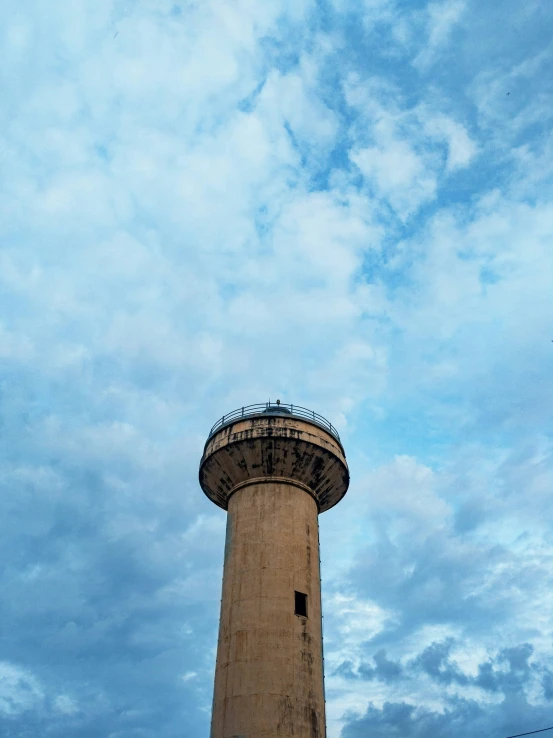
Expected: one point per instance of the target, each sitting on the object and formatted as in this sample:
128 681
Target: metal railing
272 408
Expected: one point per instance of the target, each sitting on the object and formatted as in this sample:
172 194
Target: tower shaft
269 673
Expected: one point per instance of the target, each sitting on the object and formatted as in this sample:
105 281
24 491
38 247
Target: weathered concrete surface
273 474
274 447
269 674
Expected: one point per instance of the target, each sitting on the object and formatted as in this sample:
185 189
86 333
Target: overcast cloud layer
346 204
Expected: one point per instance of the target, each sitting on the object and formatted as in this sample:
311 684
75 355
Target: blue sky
347 205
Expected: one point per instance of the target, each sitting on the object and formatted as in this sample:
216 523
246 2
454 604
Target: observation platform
286 444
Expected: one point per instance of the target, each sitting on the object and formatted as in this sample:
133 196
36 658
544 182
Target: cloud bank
345 205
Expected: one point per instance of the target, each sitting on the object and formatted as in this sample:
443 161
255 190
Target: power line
532 732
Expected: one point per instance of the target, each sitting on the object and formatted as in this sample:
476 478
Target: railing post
242 412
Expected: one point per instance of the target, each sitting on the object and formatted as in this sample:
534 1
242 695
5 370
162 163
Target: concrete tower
274 468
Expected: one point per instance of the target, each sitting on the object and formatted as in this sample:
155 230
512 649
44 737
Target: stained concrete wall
274 446
269 673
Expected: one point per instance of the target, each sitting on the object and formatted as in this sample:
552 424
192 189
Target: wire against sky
532 732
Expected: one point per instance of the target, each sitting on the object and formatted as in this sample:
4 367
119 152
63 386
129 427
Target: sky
343 204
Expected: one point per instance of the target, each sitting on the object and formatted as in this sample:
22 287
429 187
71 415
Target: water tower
274 468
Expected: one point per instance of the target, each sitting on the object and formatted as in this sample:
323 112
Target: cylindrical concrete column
274 472
269 674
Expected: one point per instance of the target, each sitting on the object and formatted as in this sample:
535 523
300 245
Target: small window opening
301 604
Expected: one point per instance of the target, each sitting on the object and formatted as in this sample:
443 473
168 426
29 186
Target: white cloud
399 148
405 491
294 99
19 690
441 19
399 175
461 148
65 705
13 346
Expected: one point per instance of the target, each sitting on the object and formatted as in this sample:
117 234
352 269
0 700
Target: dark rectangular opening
300 604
